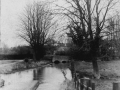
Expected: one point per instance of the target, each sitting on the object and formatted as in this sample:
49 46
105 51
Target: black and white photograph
59 44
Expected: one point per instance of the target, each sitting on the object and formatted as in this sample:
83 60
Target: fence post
75 79
93 86
81 85
89 84
116 86
34 74
78 85
72 68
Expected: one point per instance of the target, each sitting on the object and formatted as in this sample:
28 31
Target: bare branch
37 23
107 9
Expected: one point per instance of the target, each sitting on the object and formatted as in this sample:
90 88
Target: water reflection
50 78
17 81
53 77
38 74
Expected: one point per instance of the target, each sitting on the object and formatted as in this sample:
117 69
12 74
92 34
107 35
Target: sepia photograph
59 44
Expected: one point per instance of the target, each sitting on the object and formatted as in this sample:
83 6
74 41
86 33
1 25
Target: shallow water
49 77
17 81
53 78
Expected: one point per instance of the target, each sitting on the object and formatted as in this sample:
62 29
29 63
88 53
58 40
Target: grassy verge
109 70
20 66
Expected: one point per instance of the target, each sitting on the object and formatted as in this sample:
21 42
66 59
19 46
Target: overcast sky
10 12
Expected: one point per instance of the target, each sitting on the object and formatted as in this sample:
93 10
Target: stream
50 78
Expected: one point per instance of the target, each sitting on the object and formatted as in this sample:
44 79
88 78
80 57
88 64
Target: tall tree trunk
38 52
72 68
96 69
34 55
94 53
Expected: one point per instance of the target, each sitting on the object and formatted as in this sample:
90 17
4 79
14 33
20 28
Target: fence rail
87 84
83 83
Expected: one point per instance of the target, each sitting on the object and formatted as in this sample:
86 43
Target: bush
15 56
79 54
19 52
62 51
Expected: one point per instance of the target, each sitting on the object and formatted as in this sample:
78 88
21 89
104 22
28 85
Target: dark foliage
15 57
38 51
78 54
107 50
50 48
19 52
85 49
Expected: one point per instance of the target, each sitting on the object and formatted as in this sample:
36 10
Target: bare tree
86 21
37 27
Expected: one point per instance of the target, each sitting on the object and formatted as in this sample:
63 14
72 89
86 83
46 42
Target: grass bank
20 66
109 70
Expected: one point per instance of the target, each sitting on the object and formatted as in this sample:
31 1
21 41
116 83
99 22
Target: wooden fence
87 84
116 86
83 83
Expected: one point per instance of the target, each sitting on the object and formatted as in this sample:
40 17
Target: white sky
10 11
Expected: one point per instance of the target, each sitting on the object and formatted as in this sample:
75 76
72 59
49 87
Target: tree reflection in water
52 77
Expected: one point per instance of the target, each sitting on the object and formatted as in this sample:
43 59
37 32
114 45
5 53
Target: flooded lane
54 76
50 78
